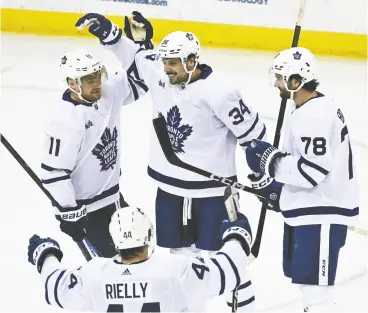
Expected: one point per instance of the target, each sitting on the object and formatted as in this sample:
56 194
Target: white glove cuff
41 249
74 215
114 33
267 161
237 231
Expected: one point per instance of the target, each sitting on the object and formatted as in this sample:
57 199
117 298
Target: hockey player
315 179
81 161
137 281
206 115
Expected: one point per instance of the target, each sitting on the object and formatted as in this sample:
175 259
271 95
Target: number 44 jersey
319 172
171 283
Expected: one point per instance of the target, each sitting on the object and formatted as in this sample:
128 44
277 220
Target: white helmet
78 64
180 45
130 228
293 61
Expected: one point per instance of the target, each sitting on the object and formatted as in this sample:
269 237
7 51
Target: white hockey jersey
319 174
171 283
205 120
81 161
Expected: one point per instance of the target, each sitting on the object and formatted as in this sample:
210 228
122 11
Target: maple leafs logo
107 150
189 36
177 133
297 55
63 59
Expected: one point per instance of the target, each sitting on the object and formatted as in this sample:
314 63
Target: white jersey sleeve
312 157
231 108
61 145
127 88
222 273
64 288
140 64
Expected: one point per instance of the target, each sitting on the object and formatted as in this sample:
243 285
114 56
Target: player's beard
284 94
93 96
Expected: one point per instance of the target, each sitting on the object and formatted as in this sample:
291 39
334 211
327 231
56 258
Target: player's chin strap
292 92
189 72
79 93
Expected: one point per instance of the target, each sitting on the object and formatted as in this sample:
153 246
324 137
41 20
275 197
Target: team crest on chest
177 133
107 150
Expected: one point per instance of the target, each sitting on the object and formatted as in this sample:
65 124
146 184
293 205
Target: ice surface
31 81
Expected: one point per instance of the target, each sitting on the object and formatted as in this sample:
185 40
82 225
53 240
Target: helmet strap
184 62
292 92
79 93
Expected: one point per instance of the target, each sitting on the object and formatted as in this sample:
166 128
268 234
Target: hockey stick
231 212
359 230
159 124
276 141
88 250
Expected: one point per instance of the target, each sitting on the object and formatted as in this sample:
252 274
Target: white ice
31 82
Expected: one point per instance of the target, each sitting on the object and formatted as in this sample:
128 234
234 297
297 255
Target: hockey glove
101 27
261 157
239 230
270 188
139 29
73 222
39 248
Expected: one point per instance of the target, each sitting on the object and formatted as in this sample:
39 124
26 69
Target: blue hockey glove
269 188
39 248
139 29
73 222
239 230
101 27
261 157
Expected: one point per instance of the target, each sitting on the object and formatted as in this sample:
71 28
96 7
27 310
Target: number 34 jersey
205 120
319 172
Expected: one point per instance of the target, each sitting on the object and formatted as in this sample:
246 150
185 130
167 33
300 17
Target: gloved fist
239 230
39 248
269 188
101 27
139 29
73 221
261 157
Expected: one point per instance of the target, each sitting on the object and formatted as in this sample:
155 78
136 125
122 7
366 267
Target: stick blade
227 193
230 204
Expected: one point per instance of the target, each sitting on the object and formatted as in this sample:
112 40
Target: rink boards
329 27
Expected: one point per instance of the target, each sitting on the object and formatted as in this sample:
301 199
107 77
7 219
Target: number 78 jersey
319 174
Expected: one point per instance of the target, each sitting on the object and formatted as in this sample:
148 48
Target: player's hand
269 188
261 157
39 248
73 222
139 29
101 27
239 230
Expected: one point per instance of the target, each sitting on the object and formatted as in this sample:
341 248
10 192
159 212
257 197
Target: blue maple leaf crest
177 133
107 150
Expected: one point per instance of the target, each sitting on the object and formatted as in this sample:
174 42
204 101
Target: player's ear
190 62
294 82
72 83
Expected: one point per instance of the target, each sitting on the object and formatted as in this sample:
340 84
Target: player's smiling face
174 69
